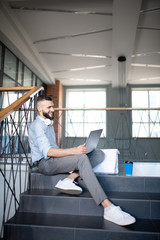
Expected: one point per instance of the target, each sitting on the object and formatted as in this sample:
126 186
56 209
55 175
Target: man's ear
39 107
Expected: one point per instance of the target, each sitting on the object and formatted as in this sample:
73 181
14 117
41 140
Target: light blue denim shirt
41 139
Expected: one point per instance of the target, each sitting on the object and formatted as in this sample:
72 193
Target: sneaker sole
121 224
69 191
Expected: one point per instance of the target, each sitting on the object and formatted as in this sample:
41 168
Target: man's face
46 109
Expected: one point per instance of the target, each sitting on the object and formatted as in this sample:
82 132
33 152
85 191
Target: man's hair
44 97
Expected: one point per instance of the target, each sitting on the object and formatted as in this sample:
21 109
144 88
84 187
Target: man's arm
59 152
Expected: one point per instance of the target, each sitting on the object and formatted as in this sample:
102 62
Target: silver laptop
93 139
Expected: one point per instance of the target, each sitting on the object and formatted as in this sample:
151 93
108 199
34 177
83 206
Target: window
39 83
20 72
14 72
8 82
9 98
34 80
27 81
10 62
80 122
146 123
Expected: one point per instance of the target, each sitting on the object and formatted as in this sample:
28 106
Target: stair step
117 183
140 205
41 226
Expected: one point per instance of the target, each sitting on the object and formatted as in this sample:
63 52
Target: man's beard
47 115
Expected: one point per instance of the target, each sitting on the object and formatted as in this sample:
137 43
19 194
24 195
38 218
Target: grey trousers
81 163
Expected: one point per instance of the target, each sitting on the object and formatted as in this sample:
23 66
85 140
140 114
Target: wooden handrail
16 88
15 105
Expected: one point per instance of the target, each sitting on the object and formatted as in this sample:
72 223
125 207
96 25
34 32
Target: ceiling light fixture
145 65
150 78
138 65
153 65
87 68
58 10
81 69
76 55
91 56
81 79
144 54
73 35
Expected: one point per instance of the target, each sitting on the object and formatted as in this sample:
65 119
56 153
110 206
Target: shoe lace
121 211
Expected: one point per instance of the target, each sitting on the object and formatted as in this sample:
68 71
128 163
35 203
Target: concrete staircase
45 213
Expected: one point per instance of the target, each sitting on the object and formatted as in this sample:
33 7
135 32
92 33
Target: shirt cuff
46 152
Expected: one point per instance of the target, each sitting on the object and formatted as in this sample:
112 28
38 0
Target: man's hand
81 149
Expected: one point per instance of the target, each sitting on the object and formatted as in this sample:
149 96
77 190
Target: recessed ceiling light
143 79
76 69
75 55
155 66
87 68
91 56
154 78
150 78
138 65
82 79
145 65
144 54
81 68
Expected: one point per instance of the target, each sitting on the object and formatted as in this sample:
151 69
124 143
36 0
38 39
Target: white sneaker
116 215
68 186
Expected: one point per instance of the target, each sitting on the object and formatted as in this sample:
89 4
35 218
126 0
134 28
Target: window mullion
149 134
84 98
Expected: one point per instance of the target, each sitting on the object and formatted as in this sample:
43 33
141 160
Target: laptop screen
93 139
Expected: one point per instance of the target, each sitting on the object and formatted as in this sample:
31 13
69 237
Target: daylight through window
146 123
80 122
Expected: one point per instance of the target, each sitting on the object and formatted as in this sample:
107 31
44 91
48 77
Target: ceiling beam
125 21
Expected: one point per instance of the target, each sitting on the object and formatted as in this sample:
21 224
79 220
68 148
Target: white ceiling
81 40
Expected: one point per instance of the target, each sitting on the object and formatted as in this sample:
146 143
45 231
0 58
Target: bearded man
52 160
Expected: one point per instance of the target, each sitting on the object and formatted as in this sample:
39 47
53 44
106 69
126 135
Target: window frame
84 89
16 81
148 89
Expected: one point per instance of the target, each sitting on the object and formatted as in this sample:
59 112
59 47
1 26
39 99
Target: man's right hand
81 149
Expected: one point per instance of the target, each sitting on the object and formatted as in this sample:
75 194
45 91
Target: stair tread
81 222
112 195
104 175
108 182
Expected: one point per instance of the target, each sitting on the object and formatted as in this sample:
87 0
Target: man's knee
97 153
83 161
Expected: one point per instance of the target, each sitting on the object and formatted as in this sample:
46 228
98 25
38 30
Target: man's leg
81 162
72 163
96 157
